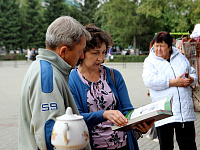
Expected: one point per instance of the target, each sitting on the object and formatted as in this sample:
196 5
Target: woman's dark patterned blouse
100 97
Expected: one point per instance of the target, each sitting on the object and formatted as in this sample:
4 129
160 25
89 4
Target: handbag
196 98
136 133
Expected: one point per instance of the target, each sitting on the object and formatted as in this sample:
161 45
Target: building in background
75 2
70 2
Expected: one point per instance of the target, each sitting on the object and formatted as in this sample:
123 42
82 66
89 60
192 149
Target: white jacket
156 74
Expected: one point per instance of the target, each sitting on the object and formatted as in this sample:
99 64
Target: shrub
13 57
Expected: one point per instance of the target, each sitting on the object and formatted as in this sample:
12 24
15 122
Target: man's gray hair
67 31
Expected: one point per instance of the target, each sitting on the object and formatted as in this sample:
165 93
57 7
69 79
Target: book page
157 110
155 106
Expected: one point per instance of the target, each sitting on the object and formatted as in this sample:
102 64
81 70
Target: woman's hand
188 81
143 127
180 82
116 117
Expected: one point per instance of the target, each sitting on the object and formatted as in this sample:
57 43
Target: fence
191 50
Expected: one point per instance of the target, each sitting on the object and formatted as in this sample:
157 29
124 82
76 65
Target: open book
154 111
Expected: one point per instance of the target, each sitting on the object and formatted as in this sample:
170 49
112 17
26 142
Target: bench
9 57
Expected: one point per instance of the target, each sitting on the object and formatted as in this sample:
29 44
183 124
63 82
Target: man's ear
63 51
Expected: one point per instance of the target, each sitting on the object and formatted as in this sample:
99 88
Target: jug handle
65 133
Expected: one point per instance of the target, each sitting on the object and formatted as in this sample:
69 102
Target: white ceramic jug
70 132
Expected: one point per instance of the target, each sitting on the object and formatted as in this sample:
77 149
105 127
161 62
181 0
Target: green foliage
32 24
55 9
13 57
169 15
24 26
152 8
120 19
21 57
193 13
88 11
9 24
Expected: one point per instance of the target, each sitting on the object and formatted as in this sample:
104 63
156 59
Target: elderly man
45 93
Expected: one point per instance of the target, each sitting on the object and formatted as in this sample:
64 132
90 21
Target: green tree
194 12
32 24
77 14
88 10
55 9
119 17
169 15
9 24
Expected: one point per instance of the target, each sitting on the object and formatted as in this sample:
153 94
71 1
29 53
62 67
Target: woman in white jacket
164 73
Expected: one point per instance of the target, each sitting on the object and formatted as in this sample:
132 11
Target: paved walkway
11 76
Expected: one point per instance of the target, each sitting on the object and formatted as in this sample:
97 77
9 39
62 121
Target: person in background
165 74
33 55
128 52
28 54
184 41
102 103
45 93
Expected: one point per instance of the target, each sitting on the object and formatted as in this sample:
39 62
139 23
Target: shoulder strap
112 75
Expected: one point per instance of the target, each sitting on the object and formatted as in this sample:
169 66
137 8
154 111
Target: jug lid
69 115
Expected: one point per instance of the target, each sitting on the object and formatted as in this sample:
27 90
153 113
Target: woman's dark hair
163 36
98 37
